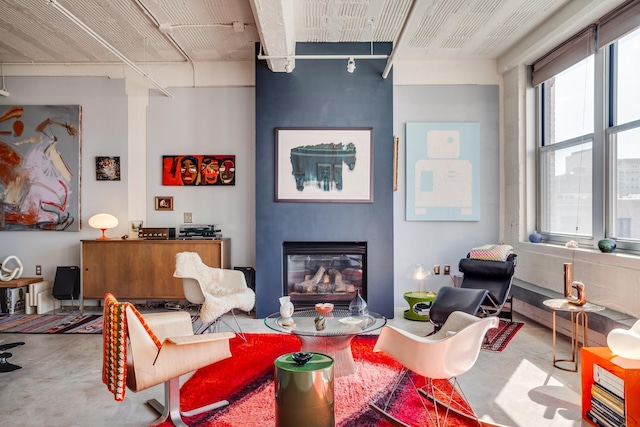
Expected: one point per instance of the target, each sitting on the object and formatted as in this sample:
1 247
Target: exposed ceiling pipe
398 42
3 91
323 56
108 46
166 31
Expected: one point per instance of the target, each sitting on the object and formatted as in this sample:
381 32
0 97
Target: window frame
604 167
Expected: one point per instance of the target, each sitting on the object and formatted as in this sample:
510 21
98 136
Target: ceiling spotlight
287 67
351 65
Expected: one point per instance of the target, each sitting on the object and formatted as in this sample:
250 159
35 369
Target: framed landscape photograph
164 203
324 165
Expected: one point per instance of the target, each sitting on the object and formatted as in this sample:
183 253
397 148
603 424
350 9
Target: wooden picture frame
324 165
396 143
164 203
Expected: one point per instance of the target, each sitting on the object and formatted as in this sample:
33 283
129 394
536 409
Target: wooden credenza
143 269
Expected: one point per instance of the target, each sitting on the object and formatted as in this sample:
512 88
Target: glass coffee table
335 339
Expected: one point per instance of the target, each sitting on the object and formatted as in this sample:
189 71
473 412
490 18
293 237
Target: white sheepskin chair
218 290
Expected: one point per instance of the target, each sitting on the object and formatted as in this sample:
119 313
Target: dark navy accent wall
320 93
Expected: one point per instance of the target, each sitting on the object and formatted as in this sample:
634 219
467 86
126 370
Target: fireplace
324 272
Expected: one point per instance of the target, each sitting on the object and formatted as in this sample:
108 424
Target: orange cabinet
627 370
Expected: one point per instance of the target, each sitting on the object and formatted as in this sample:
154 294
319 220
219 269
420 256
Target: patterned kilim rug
51 324
498 338
54 323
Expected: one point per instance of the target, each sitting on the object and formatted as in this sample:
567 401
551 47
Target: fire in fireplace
324 271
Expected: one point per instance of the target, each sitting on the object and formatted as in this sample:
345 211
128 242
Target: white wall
206 121
104 133
445 242
121 118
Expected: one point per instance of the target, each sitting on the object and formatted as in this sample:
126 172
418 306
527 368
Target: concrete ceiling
170 31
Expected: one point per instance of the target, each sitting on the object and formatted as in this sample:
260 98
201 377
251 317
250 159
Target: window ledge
619 258
602 321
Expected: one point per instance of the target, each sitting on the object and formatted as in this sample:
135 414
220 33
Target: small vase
320 322
535 237
358 306
607 245
286 311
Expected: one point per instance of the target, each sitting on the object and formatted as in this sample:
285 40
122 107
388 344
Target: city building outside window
589 148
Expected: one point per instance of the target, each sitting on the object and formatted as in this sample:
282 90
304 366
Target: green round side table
419 305
304 393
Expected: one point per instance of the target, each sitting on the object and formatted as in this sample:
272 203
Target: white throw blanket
224 290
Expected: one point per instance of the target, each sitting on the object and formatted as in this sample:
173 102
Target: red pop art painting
191 170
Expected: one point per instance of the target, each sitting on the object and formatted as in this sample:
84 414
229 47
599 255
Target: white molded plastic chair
625 342
451 351
217 290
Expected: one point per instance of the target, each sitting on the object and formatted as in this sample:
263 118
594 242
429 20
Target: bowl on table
324 308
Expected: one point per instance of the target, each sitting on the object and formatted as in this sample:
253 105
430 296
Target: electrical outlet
436 269
188 217
447 269
38 270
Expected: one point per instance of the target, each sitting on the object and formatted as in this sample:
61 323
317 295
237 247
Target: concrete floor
60 382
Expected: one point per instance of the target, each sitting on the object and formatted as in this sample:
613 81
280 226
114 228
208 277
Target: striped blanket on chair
491 252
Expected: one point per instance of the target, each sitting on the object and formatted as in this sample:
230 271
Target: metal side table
578 317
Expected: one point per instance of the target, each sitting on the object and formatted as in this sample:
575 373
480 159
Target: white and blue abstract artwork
443 171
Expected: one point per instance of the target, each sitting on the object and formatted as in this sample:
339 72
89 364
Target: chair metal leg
388 417
171 408
239 330
213 326
432 393
383 412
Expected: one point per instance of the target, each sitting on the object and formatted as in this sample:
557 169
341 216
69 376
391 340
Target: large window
623 136
589 152
566 153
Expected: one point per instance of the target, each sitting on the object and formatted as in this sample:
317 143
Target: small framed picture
164 203
108 168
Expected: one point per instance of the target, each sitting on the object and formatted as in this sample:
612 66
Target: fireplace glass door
324 272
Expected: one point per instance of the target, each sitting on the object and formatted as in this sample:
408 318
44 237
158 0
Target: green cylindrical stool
304 394
419 305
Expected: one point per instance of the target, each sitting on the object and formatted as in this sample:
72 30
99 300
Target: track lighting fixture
351 65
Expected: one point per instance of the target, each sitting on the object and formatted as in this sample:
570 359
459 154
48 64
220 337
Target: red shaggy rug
246 380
